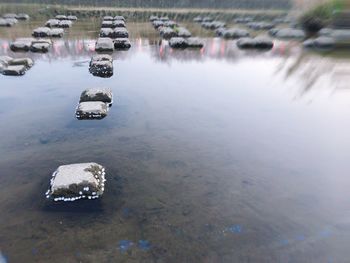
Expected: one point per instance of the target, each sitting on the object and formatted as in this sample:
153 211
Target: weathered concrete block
261 43
21 44
101 66
77 181
120 32
97 94
41 32
14 70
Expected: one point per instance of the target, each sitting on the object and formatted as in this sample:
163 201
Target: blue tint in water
144 245
235 229
125 245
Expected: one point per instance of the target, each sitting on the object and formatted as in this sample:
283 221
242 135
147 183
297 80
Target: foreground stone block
97 94
101 66
104 44
91 110
57 32
77 181
183 32
27 62
195 42
18 70
167 32
178 42
106 32
52 23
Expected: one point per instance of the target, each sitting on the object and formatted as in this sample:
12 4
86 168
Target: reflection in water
208 158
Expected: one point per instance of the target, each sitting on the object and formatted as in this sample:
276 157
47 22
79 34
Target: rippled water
214 155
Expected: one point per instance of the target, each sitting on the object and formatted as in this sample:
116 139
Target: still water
214 155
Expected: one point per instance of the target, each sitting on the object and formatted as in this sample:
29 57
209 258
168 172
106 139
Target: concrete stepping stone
97 94
121 43
73 182
104 44
91 110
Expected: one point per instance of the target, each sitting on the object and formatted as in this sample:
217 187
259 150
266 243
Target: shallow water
215 155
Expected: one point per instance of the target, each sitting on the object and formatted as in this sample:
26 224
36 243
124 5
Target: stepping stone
255 43
77 181
61 17
106 32
234 33
40 46
167 32
104 44
261 25
157 24
183 32
97 94
120 32
22 16
164 18
14 70
119 18
41 32
7 22
10 15
21 44
107 24
178 42
52 23
72 18
108 18
27 62
121 43
57 32
153 18
65 24
194 42
118 23
101 66
198 19
288 33
171 24
91 110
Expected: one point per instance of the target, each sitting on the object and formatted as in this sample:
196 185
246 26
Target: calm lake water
212 155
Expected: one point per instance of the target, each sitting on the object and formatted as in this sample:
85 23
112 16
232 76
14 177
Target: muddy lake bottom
211 155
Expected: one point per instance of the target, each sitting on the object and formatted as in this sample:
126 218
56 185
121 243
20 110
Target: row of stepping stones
94 104
14 66
82 180
55 27
8 20
180 37
113 35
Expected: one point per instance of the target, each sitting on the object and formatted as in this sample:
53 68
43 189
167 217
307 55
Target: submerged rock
97 94
121 43
91 110
234 33
104 44
255 43
21 44
101 66
77 181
